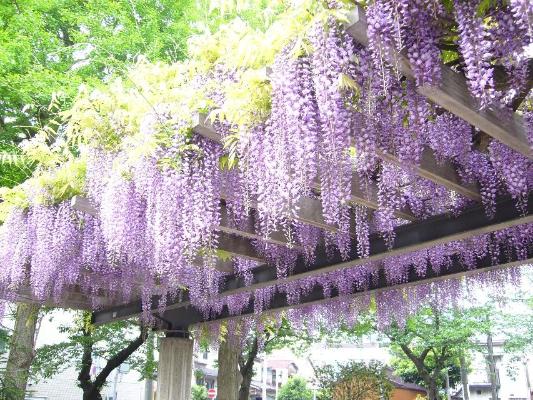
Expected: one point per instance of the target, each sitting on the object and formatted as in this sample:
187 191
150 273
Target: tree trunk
247 371
92 394
244 391
149 379
228 371
448 391
492 368
433 391
22 349
91 388
464 378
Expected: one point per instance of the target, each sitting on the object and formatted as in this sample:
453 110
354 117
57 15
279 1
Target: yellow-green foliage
110 116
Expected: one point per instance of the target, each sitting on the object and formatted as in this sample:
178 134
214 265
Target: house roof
399 383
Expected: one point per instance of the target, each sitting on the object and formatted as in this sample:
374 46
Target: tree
433 340
274 337
54 46
7 388
295 389
281 336
22 345
198 392
405 368
114 343
353 381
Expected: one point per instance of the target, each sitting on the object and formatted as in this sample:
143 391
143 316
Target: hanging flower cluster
333 123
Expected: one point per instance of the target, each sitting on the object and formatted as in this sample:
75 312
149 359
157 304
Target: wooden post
229 377
175 369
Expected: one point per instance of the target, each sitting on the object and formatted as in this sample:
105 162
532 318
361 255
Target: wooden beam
188 314
421 235
442 173
453 95
73 299
228 241
416 236
183 314
311 209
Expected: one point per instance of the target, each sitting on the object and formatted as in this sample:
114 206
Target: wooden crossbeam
453 95
310 210
230 240
413 237
442 173
182 317
73 299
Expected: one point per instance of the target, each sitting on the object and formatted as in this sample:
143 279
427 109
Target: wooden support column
174 374
229 377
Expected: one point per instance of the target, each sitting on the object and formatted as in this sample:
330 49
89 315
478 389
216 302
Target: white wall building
513 384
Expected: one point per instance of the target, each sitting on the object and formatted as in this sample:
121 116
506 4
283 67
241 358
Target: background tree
433 340
405 368
295 389
85 343
282 336
198 392
353 381
54 46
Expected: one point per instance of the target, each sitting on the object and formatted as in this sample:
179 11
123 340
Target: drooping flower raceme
475 47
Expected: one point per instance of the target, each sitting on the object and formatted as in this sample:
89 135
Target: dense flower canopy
326 113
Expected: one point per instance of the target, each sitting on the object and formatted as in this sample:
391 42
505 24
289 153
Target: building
513 384
404 390
64 386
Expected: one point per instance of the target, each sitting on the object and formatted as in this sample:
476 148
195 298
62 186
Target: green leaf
345 82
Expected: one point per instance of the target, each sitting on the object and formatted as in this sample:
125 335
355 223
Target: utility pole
492 367
264 391
464 378
528 382
447 379
115 381
277 385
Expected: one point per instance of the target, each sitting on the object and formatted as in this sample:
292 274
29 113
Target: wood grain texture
442 173
174 372
412 237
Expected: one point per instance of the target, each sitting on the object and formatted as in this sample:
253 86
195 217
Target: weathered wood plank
228 242
453 95
248 230
310 210
72 299
412 237
316 297
442 173
182 314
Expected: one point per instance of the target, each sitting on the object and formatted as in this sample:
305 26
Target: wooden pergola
452 95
